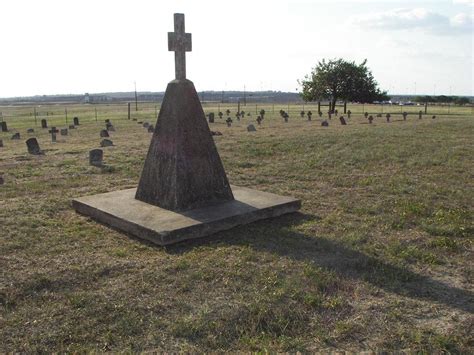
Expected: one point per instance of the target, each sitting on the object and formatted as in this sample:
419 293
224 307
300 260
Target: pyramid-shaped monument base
182 169
121 210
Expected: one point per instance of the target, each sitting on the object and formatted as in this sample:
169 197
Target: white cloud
464 2
418 18
463 22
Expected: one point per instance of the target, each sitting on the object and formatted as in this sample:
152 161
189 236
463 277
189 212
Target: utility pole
136 97
245 97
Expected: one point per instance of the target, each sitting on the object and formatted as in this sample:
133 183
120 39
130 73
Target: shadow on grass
274 236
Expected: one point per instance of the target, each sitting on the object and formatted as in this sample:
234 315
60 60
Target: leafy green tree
341 80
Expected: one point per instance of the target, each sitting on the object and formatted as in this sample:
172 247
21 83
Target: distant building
87 98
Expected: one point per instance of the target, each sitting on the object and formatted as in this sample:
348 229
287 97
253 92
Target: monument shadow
333 256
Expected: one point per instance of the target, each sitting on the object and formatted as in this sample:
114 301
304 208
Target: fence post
34 111
129 110
426 108
95 109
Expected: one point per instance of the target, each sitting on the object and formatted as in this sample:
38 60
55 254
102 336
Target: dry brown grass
380 256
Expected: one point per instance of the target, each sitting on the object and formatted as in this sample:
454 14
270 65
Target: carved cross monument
179 42
183 192
183 169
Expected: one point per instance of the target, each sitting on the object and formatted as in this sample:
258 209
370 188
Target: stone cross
179 42
53 132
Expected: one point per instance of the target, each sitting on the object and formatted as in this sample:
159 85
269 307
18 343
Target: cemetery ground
379 257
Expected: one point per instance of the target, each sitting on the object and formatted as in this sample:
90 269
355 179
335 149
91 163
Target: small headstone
33 146
145 124
110 128
309 114
104 133
95 157
106 143
71 126
286 117
53 132
64 131
420 115
329 114
433 117
108 124
379 115
1 143
335 112
371 118
211 117
366 114
343 121
229 121
251 128
151 129
4 126
30 130
405 114
387 116
139 122
106 121
44 123
325 123
349 113
249 114
216 133
259 120
76 121
16 136
320 113
134 119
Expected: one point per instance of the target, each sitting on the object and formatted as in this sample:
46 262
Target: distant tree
461 100
425 98
341 80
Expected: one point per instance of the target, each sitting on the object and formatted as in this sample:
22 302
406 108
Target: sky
78 46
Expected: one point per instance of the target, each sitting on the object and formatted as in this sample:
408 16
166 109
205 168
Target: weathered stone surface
76 121
106 143
342 120
95 157
16 136
44 123
121 210
251 128
64 131
211 117
182 169
33 146
104 133
72 126
30 130
53 131
4 126
325 123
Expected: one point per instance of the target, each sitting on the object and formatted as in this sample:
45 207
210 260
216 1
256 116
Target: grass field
380 256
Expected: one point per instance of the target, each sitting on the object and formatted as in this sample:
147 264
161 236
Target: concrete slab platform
122 211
